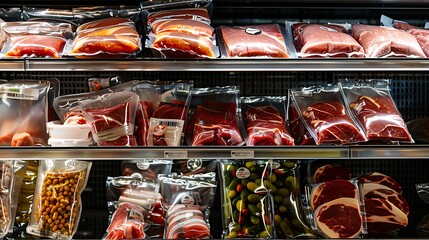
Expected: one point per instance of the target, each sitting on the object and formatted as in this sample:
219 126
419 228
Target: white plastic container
57 130
69 142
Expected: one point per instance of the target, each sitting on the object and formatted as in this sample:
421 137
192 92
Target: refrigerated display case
407 163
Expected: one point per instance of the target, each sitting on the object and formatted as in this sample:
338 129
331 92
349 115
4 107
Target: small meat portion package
386 42
127 223
264 121
35 46
422 35
315 40
254 41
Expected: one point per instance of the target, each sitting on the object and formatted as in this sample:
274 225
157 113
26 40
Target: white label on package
175 154
114 133
237 154
243 173
165 132
19 93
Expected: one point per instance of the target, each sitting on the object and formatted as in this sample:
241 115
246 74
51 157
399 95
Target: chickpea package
57 202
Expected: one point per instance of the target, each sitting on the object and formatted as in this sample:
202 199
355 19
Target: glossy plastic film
199 14
183 26
190 167
39 46
6 188
127 223
57 29
297 127
105 22
146 168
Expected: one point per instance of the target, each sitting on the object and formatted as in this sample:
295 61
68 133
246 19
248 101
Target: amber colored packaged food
38 28
26 196
6 188
19 168
104 23
34 46
57 203
253 41
199 14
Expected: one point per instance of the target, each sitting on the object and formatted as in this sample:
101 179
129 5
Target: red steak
339 218
298 130
332 124
375 190
332 190
331 172
383 216
127 223
380 119
382 179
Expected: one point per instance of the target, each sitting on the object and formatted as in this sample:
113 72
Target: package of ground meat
372 105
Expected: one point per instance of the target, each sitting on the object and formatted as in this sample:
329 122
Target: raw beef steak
332 190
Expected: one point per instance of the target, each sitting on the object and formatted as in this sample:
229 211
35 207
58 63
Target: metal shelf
314 152
149 64
12 65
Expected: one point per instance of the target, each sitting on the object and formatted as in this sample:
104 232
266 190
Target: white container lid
57 130
54 142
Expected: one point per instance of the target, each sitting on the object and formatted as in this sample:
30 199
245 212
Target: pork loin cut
339 218
383 216
332 190
375 190
383 42
325 41
382 179
380 119
331 172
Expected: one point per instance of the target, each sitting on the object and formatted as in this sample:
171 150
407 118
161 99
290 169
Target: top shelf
228 65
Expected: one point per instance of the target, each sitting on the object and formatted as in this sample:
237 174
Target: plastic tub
57 130
54 142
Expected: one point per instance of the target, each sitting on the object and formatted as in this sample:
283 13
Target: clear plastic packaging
127 223
324 40
198 14
147 168
253 41
194 166
57 203
96 84
386 42
105 22
91 13
44 28
264 118
10 14
156 5
19 170
214 117
35 46
183 26
24 108
161 113
297 127
111 117
372 105
6 189
324 114
36 13
247 205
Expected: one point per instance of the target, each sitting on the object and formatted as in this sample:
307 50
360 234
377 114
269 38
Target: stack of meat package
180 32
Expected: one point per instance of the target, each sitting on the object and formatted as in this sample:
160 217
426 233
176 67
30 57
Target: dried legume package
6 184
57 202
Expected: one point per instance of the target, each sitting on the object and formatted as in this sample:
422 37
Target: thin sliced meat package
386 42
199 14
422 35
264 118
127 223
316 40
370 101
34 46
254 41
183 26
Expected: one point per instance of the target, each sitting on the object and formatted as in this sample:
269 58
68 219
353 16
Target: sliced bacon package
380 42
325 115
111 117
264 118
214 117
372 105
187 204
24 108
336 209
161 114
313 40
253 41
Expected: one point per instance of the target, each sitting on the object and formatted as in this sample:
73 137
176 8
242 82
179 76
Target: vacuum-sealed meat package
297 127
187 204
324 40
323 111
198 14
264 118
214 117
127 223
247 205
57 203
146 168
253 41
111 117
24 108
386 42
183 26
105 22
371 103
161 114
31 28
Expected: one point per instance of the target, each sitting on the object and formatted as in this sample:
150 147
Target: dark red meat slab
332 190
329 172
383 216
382 179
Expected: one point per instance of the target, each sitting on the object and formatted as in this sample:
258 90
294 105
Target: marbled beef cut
339 218
331 123
331 172
382 179
375 190
383 216
332 190
380 119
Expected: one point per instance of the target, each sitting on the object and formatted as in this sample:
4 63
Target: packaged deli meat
264 118
324 114
127 223
253 41
111 117
386 42
324 40
35 28
199 14
297 127
57 203
214 117
370 101
183 26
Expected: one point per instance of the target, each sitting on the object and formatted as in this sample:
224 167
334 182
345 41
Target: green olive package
261 199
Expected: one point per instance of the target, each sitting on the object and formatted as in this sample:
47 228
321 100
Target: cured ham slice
339 218
254 41
383 42
314 40
183 26
332 190
127 223
332 124
38 46
380 119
